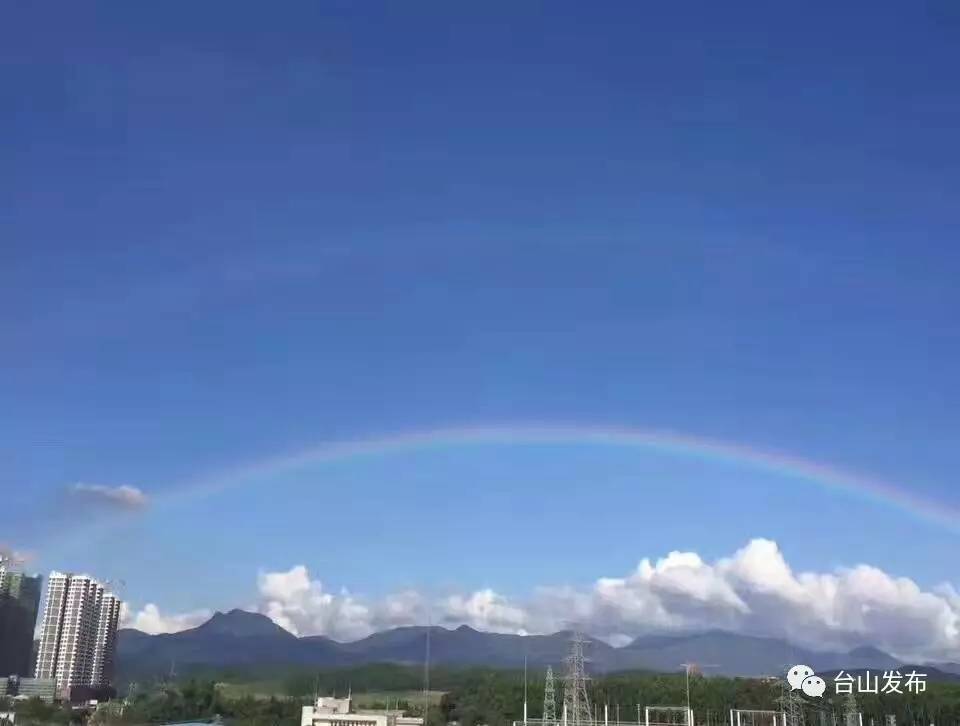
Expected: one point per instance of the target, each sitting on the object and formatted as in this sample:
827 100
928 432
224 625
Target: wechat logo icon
802 677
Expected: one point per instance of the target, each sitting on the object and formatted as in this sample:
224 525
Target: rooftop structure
330 711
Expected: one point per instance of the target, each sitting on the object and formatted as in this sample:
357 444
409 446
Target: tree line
491 697
496 699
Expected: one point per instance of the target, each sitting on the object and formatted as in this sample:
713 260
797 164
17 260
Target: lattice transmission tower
549 699
792 706
851 714
576 702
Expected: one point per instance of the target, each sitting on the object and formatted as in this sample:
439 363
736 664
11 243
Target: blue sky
232 233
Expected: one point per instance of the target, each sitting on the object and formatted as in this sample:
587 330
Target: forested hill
241 639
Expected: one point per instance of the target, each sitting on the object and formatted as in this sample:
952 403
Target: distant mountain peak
242 623
242 639
868 651
134 633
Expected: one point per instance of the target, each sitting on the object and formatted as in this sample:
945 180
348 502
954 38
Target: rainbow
824 475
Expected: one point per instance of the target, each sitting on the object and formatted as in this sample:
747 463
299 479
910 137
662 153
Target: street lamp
686 668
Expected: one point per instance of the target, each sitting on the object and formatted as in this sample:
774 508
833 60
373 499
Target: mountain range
239 639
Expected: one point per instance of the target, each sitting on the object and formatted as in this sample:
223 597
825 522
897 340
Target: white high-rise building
78 632
105 647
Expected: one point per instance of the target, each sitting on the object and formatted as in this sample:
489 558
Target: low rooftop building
25 688
328 711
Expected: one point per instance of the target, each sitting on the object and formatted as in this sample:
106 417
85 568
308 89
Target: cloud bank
118 497
149 620
753 591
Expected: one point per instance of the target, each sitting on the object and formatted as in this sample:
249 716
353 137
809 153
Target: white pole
606 715
524 690
564 714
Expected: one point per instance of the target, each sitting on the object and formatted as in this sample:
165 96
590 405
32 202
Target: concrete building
78 633
105 647
328 711
27 688
19 602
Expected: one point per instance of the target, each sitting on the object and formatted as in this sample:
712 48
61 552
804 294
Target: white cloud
403 608
485 610
753 591
150 620
119 497
301 605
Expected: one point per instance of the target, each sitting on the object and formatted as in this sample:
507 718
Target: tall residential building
105 648
78 632
19 601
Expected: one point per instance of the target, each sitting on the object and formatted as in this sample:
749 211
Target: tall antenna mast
575 699
426 678
549 699
524 688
